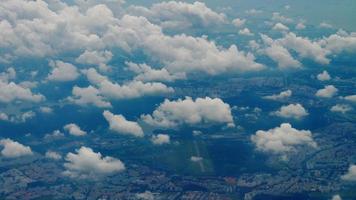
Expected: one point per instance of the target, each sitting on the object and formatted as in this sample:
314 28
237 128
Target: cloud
343 108
133 89
276 16
74 129
13 149
281 55
10 92
96 58
282 139
62 71
179 15
253 12
304 47
53 155
340 42
206 110
56 134
147 195
85 163
160 139
68 29
324 76
187 54
281 95
280 27
246 32
238 22
196 159
295 111
46 110
88 96
4 116
119 124
328 92
146 73
7 75
351 98
351 174
336 197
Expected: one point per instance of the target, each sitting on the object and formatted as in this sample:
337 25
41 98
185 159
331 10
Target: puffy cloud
340 42
196 159
85 163
147 73
282 139
119 124
9 74
304 47
351 174
46 110
56 134
133 89
74 129
327 92
97 58
324 76
179 15
245 31
62 71
351 98
4 116
13 149
53 155
336 197
191 112
42 30
295 111
281 95
187 54
238 22
160 139
280 27
147 195
343 108
11 91
45 31
281 55
88 95
18 118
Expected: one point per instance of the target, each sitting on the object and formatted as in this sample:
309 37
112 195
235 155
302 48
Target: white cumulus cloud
327 92
282 139
190 112
119 124
13 149
85 163
295 111
74 129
